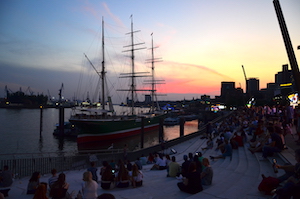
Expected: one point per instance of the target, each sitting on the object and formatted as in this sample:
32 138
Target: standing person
174 168
6 177
192 183
59 188
89 187
125 152
33 183
207 173
93 170
53 178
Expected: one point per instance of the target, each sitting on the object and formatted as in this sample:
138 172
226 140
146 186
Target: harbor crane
244 74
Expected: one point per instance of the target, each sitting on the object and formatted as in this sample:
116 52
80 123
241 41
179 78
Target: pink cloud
114 17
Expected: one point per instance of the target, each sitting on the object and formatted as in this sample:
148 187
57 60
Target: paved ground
236 178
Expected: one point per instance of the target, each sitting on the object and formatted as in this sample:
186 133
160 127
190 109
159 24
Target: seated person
89 187
209 144
6 177
107 177
122 177
41 191
192 183
137 177
138 163
291 178
60 187
143 159
174 168
150 159
160 164
260 142
207 173
227 151
33 183
53 178
93 170
275 146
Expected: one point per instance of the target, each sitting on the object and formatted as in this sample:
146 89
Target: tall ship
100 124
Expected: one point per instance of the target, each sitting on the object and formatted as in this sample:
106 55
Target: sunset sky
201 43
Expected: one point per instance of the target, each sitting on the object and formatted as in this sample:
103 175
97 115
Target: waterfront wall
25 166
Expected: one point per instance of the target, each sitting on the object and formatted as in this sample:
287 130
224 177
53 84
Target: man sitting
174 168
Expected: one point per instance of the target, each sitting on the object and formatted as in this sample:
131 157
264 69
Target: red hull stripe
94 138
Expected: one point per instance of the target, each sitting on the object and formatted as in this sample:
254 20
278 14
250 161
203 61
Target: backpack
268 184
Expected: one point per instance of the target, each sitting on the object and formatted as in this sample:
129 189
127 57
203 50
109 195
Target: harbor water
20 133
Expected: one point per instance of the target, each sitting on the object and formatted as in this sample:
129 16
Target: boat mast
152 68
153 81
132 86
103 68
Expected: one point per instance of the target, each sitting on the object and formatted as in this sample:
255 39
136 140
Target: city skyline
201 43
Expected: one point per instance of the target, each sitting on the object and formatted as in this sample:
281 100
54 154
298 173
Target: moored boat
99 124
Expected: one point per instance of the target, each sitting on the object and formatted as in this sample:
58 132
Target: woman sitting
122 177
207 173
34 182
137 176
90 186
41 191
59 188
107 177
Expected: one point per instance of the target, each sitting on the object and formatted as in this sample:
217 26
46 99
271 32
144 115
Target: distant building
148 99
284 80
227 88
252 86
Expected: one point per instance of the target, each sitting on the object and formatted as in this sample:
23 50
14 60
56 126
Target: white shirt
89 190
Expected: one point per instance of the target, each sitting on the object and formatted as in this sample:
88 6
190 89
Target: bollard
161 130
181 134
61 120
41 120
142 132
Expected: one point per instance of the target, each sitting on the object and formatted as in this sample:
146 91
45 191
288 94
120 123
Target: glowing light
288 84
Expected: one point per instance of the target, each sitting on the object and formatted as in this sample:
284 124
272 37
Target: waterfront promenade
236 178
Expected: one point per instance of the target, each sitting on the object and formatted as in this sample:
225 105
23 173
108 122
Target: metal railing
25 164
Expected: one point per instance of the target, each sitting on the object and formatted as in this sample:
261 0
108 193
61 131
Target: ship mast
133 74
153 81
103 68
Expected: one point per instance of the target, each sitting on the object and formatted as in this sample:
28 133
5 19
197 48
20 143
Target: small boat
171 121
69 130
99 124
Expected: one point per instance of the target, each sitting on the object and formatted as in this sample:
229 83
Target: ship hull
96 130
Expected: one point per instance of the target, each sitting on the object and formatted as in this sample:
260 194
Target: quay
236 177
